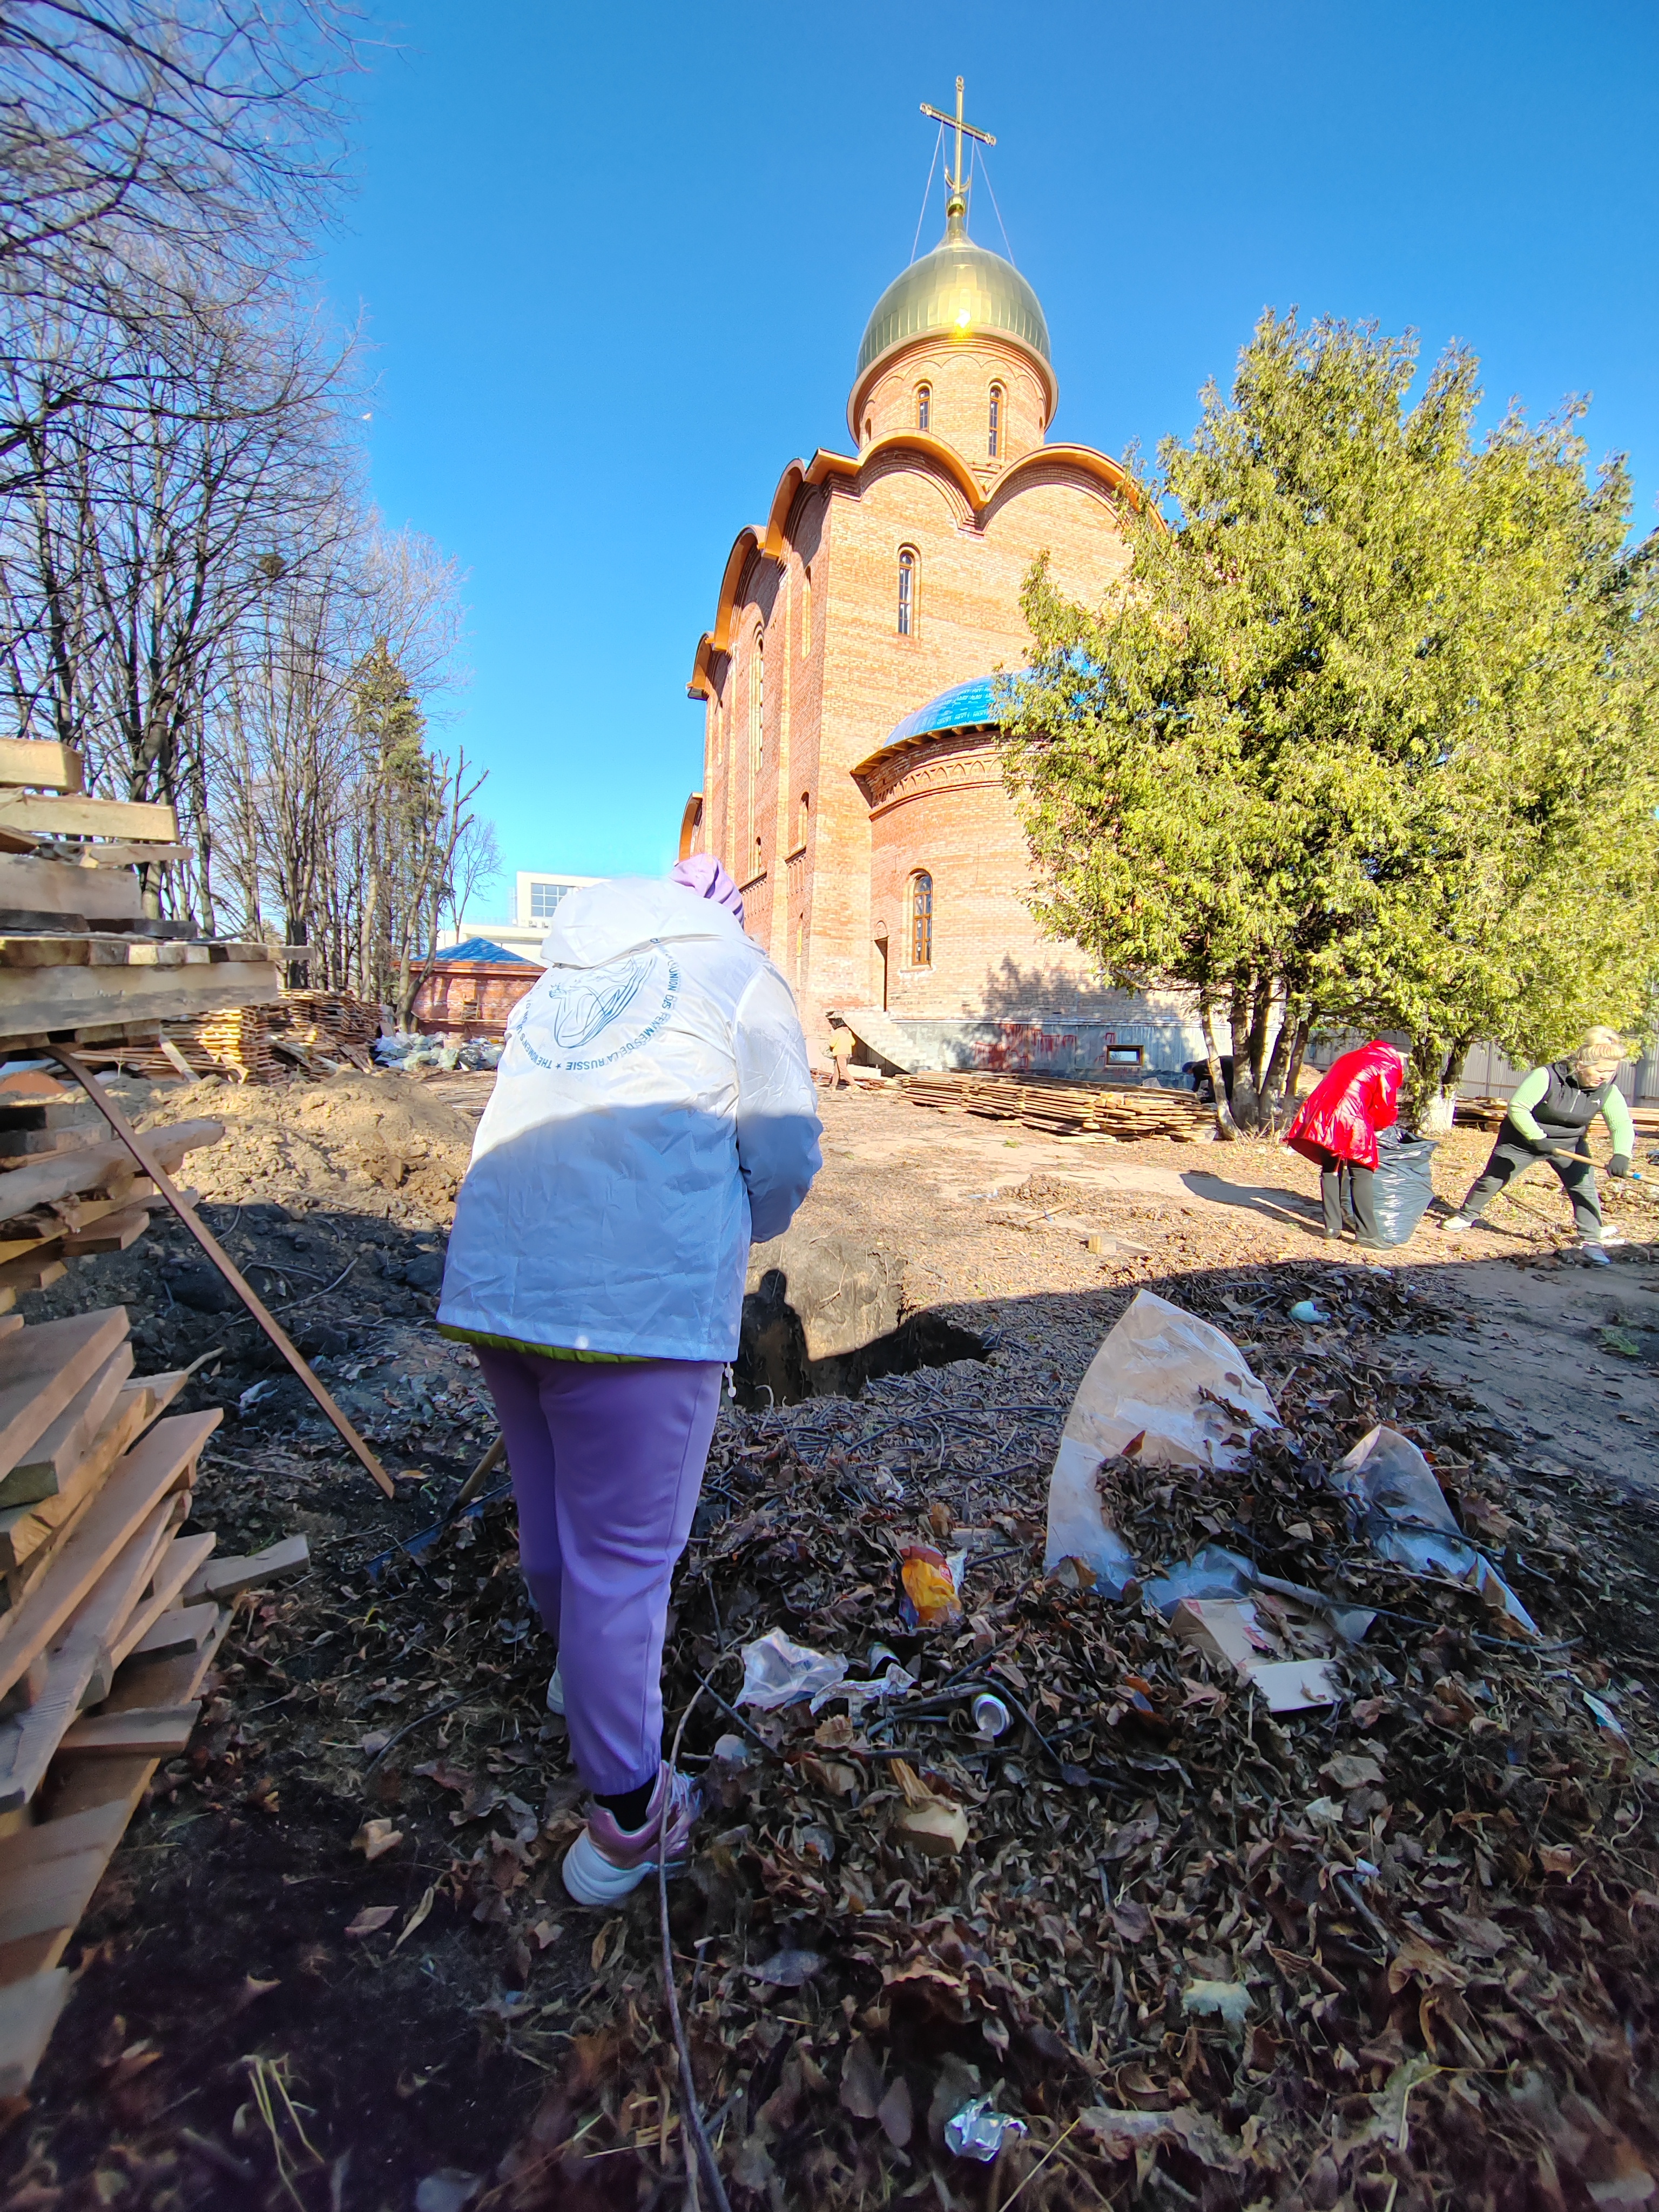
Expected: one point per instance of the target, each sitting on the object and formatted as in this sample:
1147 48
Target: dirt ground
277 2006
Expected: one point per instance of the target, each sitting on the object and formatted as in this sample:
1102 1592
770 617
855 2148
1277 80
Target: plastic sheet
1171 1387
1399 1507
1212 1572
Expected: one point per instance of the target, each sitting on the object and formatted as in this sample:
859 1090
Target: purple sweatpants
607 1462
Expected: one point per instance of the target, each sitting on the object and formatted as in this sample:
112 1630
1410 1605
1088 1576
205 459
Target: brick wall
839 675
473 999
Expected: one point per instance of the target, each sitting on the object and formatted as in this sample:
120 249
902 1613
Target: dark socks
629 1811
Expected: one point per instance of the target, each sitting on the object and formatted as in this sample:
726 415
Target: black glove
1619 1165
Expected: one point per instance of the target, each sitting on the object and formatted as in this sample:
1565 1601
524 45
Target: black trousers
1347 1193
1513 1156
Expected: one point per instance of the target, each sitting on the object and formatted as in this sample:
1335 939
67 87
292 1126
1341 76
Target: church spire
956 207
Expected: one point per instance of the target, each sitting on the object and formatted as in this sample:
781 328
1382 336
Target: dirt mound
324 1143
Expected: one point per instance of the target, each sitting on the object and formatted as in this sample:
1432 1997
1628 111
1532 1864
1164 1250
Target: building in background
852 784
535 904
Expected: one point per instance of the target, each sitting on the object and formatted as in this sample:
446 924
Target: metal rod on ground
223 1260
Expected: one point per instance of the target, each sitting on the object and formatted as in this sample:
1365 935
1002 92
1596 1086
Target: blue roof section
970 706
481 948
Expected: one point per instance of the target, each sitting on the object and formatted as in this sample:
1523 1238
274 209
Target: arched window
921 919
924 406
758 856
866 429
806 611
993 439
757 702
907 593
802 818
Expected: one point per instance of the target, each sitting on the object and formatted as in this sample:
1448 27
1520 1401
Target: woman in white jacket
653 1112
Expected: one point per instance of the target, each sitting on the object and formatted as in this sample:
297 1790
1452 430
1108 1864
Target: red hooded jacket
1340 1116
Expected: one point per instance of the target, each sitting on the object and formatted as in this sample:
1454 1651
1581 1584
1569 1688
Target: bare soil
218 1968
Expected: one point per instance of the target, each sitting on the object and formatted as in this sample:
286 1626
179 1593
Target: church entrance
881 962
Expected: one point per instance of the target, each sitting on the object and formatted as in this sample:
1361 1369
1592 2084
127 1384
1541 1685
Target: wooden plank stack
1065 1110
67 1188
81 960
1491 1113
109 1618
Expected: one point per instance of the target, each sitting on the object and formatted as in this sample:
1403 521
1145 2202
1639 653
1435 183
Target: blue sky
613 264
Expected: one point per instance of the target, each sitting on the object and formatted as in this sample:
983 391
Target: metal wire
984 168
926 190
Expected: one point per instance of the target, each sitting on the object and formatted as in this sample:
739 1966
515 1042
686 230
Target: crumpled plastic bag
930 1593
1401 1510
777 1671
979 2130
1174 1382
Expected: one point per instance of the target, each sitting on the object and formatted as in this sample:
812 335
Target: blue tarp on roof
481 948
971 706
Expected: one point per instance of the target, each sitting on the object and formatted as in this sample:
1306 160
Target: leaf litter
1388 1953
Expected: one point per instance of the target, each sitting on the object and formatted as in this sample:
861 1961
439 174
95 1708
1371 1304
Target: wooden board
154 1466
225 1579
99 894
161 1732
37 1009
100 1620
29 1740
42 1469
29 2013
101 1827
25 1528
39 763
19 1147
116 1232
87 818
52 1895
183 1559
179 1628
44 1182
41 1369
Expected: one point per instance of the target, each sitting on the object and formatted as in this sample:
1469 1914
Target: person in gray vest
1549 1119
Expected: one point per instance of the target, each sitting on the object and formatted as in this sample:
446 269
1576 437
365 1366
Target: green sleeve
1531 1088
1616 1114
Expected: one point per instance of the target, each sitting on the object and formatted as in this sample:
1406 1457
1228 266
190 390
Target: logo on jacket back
578 1019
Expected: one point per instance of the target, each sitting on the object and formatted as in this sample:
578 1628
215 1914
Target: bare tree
477 862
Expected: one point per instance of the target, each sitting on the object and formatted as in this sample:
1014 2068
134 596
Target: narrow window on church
921 919
802 818
993 442
806 611
924 406
758 856
907 593
757 703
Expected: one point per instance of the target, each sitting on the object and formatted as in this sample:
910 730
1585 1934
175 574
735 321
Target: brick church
851 780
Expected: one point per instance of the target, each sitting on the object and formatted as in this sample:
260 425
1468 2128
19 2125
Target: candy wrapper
930 1585
978 2131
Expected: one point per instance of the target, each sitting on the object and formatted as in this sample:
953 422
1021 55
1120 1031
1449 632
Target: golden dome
959 289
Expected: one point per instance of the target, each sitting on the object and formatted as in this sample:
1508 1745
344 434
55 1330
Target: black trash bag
1403 1184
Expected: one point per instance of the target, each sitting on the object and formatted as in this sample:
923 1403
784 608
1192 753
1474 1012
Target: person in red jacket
1337 1126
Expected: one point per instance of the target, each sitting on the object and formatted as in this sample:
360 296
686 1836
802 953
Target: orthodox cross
962 130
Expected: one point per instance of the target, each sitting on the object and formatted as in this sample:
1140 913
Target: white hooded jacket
653 1113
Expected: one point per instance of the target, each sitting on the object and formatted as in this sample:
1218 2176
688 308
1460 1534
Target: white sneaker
606 1862
556 1694
1454 1224
1596 1255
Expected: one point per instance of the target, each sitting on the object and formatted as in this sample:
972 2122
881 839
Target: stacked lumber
316 1032
1491 1113
67 1187
81 961
1066 1110
110 1617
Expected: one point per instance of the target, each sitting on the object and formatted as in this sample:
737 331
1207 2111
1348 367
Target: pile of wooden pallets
67 1189
112 1616
312 1032
1065 1110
